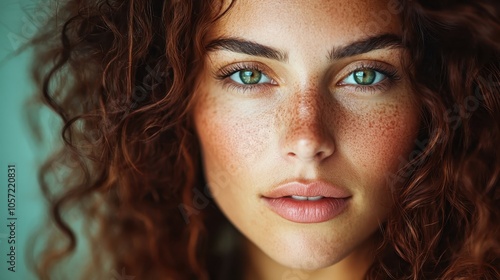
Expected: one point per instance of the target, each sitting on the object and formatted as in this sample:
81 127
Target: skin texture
305 124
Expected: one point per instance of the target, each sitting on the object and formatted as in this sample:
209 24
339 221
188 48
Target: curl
445 224
120 76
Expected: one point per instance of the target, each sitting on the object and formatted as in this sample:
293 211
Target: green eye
249 77
364 77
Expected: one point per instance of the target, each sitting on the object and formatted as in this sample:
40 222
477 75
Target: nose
306 135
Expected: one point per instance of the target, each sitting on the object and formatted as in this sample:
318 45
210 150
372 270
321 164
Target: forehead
333 21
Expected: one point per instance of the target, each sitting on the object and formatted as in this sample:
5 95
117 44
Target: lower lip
307 211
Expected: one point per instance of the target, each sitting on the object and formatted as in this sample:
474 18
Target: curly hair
446 219
120 74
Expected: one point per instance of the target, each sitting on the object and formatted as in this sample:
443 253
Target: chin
306 253
310 261
310 264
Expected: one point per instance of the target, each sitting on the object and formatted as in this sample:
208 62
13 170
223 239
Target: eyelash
224 74
391 75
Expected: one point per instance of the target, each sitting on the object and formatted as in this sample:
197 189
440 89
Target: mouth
303 198
315 202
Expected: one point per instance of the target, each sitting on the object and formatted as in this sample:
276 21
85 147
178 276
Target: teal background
20 19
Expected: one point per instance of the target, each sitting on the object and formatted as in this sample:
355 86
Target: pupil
250 76
364 77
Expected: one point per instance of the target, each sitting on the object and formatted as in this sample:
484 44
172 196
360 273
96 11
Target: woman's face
305 98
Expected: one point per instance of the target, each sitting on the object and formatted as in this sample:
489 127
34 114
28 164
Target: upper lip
310 189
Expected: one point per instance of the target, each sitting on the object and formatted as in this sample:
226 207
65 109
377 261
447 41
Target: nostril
320 155
310 150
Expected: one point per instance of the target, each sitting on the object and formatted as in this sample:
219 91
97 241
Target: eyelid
224 73
390 72
264 77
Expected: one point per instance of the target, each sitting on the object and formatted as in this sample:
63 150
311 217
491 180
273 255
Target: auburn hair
120 74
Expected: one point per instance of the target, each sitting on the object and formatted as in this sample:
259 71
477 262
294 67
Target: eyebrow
382 41
365 45
246 47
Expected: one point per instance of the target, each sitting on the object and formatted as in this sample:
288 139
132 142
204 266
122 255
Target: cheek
376 140
232 141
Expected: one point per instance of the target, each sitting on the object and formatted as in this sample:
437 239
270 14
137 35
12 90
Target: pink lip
334 201
315 188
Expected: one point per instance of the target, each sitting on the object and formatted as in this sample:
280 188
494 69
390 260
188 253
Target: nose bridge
307 112
306 134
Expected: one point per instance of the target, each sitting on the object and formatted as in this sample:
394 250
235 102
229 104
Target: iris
250 77
365 76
